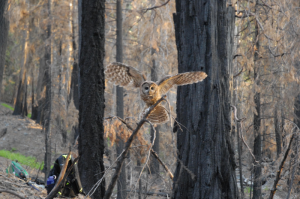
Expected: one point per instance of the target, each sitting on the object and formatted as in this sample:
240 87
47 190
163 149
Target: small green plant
108 141
247 190
13 149
29 115
29 161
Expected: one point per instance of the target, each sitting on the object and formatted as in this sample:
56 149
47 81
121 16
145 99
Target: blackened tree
4 23
91 102
204 39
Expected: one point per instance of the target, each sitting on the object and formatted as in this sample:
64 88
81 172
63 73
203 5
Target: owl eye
146 88
152 88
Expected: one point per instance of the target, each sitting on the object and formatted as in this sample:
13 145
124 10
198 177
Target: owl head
149 88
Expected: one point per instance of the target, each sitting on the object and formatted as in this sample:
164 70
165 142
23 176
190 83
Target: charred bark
204 38
48 99
91 103
4 26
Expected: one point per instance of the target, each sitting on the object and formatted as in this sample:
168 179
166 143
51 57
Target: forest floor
24 136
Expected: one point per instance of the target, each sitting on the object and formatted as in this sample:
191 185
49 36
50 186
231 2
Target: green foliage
11 108
29 161
7 106
13 149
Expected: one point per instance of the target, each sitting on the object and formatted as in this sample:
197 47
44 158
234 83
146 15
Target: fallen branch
274 188
126 149
57 186
11 192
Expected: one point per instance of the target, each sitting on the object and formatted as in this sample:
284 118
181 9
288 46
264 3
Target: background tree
121 184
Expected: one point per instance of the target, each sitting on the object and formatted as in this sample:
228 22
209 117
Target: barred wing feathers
180 79
123 75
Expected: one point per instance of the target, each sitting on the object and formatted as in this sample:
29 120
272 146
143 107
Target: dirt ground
24 136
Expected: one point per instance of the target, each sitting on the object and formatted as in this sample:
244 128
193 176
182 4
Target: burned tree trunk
204 38
4 25
91 103
48 99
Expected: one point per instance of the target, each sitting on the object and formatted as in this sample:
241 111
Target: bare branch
241 135
154 7
236 75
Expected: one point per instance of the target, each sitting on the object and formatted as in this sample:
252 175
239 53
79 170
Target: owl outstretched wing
166 83
123 75
158 115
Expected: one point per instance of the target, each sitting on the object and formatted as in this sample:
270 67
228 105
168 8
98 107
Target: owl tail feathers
159 115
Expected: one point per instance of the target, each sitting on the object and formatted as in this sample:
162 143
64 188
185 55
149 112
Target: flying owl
127 76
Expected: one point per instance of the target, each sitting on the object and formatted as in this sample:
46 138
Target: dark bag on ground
72 186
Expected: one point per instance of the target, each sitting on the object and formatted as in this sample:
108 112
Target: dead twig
274 188
241 135
11 192
236 75
154 7
165 166
126 149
